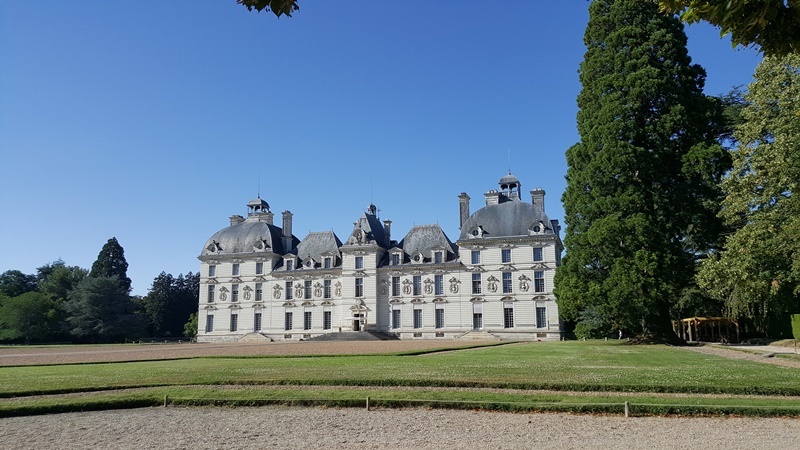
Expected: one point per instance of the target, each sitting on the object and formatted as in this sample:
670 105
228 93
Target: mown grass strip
344 397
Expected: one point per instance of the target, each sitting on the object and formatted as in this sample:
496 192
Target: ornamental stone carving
407 287
428 286
524 283
454 285
384 287
223 294
276 291
338 288
247 292
318 289
298 290
491 283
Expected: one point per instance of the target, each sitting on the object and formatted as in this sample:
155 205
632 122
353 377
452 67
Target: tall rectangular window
212 270
259 268
289 264
359 287
417 284
417 318
437 257
395 259
506 282
307 320
538 255
234 292
541 317
508 315
326 320
234 322
235 270
395 318
289 294
210 293
538 281
395 286
307 290
476 283
257 322
326 288
476 256
438 285
327 262
505 255
209 323
259 292
440 318
287 320
359 262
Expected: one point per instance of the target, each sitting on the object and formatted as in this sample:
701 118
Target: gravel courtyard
310 428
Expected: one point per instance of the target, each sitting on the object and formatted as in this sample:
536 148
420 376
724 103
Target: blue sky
153 121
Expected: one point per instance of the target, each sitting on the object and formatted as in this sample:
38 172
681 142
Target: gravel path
763 354
13 356
297 428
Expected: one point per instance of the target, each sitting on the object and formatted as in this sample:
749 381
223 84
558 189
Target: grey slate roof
512 217
372 227
243 238
317 244
424 239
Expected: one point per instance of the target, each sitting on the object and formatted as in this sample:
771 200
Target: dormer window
289 264
309 264
417 258
395 259
327 262
438 257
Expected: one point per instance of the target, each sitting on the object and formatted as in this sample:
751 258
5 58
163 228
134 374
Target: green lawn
609 367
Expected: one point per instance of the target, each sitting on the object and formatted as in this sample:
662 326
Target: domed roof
252 235
509 218
508 179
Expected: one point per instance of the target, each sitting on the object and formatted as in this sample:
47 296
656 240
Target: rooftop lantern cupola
510 186
259 208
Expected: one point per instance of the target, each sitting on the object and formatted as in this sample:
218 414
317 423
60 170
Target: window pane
537 254
506 255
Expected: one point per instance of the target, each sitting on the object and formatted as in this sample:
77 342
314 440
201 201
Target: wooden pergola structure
708 329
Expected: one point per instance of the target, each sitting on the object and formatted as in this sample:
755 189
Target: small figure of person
620 334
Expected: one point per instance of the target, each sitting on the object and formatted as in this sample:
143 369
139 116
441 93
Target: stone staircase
477 335
254 337
354 336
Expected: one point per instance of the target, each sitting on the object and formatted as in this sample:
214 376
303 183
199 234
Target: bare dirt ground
761 353
311 428
15 356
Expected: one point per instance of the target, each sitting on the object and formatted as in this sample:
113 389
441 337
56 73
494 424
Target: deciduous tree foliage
773 25
30 317
14 283
758 274
100 310
277 7
58 279
642 184
111 263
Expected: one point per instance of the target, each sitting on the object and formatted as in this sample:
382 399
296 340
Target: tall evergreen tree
99 309
642 193
758 274
111 263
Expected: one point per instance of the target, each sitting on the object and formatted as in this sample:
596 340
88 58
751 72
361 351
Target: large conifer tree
642 196
111 263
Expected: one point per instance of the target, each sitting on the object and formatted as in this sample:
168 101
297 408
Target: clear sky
152 121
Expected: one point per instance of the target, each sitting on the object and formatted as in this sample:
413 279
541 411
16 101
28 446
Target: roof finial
509 160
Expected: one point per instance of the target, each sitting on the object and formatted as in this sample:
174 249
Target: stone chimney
463 208
537 198
387 231
236 219
287 231
265 216
492 197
